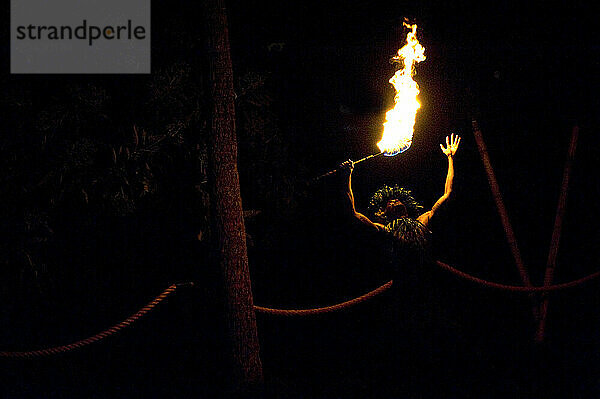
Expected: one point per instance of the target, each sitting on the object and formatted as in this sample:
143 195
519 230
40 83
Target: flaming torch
399 122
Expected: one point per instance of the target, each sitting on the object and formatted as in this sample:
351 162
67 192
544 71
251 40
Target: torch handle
368 157
334 171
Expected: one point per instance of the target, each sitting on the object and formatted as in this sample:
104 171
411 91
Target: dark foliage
92 184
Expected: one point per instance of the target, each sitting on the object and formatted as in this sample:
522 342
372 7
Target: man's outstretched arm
346 169
452 143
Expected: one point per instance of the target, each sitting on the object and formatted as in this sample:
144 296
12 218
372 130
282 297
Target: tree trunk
227 223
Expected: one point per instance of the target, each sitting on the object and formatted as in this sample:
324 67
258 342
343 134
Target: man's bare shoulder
425 218
367 222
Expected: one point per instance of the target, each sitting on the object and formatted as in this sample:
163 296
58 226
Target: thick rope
326 309
459 273
292 312
516 288
97 337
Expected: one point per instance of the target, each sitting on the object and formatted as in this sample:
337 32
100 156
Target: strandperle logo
80 36
84 31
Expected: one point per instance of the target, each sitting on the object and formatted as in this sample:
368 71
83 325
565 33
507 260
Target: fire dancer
394 210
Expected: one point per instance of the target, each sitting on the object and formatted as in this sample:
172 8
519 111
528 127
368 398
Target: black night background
105 202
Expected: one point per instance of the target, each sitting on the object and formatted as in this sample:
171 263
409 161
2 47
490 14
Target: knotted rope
97 337
516 288
288 312
445 266
326 309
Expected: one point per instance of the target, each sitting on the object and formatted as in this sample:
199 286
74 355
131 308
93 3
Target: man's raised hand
452 143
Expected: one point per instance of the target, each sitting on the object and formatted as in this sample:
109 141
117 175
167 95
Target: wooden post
508 231
555 240
227 222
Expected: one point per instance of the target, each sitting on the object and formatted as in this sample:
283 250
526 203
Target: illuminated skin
395 208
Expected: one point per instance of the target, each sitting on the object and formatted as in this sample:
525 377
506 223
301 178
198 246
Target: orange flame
400 120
